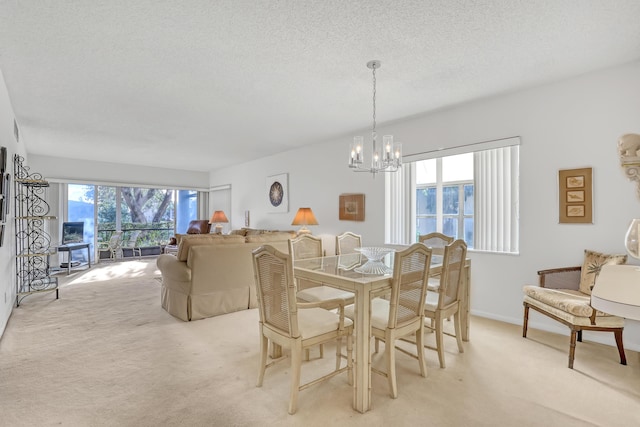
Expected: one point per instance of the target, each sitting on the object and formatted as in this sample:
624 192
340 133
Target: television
72 232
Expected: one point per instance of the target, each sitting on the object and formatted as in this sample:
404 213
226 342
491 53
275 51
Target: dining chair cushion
593 261
379 312
431 303
317 321
323 293
433 284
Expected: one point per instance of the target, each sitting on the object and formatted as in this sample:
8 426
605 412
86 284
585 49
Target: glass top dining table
343 272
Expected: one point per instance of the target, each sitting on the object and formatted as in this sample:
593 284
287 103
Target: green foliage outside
149 209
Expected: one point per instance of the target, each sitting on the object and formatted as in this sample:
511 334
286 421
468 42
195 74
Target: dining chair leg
264 345
390 357
420 350
296 363
338 352
439 340
377 345
458 329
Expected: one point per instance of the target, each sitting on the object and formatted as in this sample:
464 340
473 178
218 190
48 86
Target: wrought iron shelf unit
33 243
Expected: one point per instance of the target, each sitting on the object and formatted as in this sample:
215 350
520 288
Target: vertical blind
496 182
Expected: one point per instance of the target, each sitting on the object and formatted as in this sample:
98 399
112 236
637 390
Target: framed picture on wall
277 193
7 192
3 159
575 196
351 207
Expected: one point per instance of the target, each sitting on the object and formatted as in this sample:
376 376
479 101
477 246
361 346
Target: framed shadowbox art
575 196
351 207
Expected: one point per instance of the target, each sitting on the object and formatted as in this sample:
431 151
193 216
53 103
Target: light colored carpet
106 354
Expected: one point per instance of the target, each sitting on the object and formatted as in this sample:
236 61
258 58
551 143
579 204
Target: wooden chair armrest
560 278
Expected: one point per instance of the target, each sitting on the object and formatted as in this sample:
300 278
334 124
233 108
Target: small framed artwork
278 193
6 190
3 159
576 196
351 207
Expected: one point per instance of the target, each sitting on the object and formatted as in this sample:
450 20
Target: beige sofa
213 274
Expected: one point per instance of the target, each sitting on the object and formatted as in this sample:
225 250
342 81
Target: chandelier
386 158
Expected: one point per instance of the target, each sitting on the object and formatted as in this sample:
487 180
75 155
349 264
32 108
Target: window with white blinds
495 216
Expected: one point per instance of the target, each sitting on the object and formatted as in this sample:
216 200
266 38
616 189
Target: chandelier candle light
387 158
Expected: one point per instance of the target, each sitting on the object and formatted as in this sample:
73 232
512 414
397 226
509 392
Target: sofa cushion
268 237
191 240
593 262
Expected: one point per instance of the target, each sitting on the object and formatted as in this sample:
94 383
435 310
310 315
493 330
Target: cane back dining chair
308 246
436 241
347 242
292 324
402 315
444 301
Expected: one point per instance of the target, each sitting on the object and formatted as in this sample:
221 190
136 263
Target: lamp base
304 230
218 229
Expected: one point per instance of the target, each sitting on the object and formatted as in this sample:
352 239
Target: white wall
570 124
7 251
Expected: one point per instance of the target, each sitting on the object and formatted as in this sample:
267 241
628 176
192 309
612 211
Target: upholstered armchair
564 295
196 226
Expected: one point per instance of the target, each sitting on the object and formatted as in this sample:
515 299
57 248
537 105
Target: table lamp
304 217
217 218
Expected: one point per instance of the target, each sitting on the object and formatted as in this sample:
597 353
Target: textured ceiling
202 84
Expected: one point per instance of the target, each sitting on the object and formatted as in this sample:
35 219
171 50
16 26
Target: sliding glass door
148 217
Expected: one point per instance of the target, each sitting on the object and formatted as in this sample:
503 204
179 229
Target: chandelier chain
374 101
